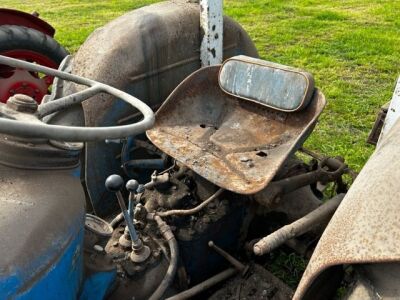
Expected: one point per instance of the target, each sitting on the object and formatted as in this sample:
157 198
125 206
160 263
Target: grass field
351 47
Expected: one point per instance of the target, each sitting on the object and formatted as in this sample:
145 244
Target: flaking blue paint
60 280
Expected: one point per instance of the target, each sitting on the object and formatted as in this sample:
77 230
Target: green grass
351 47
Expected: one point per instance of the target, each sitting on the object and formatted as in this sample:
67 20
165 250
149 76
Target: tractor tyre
33 46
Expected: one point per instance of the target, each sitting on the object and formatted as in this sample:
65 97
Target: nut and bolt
22 103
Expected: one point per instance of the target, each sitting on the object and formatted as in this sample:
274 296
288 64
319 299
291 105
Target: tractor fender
16 17
147 53
365 229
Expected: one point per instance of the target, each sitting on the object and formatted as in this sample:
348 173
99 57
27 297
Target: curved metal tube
74 134
173 263
185 212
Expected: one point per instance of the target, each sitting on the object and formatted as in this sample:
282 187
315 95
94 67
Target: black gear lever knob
132 186
114 183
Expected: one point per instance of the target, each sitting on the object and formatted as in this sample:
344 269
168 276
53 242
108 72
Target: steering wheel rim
71 133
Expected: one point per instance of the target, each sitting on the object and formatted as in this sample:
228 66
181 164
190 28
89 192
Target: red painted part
18 81
15 17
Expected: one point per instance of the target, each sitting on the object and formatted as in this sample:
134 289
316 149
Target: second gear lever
140 252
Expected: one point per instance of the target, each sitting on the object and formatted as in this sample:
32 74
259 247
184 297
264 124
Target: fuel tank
41 219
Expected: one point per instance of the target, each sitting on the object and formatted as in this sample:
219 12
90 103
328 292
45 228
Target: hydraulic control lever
140 252
132 187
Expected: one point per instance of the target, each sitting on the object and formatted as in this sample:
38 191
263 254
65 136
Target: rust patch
366 226
236 144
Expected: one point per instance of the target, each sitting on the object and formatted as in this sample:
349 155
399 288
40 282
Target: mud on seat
236 124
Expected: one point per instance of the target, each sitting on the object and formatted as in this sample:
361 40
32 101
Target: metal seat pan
236 144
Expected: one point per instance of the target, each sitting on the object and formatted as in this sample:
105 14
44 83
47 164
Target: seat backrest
277 86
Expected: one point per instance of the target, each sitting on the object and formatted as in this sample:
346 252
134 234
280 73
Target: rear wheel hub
18 81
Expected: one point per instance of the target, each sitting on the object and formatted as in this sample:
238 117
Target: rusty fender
366 227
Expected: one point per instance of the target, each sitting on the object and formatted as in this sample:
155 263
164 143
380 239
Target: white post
211 23
393 113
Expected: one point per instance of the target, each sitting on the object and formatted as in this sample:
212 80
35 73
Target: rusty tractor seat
236 124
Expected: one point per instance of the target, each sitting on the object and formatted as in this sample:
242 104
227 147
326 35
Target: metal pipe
201 287
297 228
185 212
173 263
118 218
233 261
67 101
276 189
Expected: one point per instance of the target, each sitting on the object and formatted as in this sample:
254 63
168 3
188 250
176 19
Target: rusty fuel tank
41 218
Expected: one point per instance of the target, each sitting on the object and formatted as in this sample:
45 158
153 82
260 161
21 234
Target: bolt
22 103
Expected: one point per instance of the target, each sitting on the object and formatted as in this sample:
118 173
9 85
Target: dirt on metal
365 227
236 144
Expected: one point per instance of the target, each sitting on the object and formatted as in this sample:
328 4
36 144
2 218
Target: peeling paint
211 23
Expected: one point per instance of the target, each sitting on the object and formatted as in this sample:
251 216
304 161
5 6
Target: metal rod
201 287
237 264
297 228
67 101
128 220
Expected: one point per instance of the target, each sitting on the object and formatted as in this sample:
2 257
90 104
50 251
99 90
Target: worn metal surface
297 228
41 221
366 226
277 86
16 17
17 125
393 112
277 188
147 53
211 22
235 144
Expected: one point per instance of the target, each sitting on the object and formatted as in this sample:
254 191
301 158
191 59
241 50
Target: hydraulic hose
173 263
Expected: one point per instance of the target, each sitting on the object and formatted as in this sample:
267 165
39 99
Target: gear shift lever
114 183
132 186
